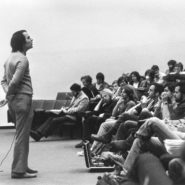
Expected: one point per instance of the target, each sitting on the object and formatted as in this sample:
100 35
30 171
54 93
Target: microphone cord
6 155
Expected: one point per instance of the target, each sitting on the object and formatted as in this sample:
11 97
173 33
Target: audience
140 117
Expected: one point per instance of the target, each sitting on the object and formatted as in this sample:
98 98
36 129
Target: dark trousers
21 109
91 126
52 124
148 170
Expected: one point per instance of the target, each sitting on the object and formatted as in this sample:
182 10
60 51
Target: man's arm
17 77
4 84
80 108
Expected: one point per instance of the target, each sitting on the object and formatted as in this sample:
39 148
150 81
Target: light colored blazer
78 104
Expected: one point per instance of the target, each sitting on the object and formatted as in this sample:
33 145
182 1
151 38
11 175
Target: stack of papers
173 146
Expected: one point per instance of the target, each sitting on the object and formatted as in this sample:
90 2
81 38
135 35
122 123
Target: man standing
18 88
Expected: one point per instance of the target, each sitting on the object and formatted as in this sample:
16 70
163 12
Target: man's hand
164 97
3 102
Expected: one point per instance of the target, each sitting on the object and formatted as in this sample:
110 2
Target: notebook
94 166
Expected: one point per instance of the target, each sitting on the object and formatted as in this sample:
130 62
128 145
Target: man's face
74 93
151 91
106 98
177 94
28 41
99 80
168 92
84 82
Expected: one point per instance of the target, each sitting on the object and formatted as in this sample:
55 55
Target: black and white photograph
92 92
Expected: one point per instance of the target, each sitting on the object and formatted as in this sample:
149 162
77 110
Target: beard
178 100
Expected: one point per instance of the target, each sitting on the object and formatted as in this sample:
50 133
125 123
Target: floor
54 158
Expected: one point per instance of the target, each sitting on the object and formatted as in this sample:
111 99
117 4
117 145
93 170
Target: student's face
151 91
106 98
169 93
124 94
74 93
134 78
177 69
147 78
84 82
122 84
115 86
99 81
29 41
177 94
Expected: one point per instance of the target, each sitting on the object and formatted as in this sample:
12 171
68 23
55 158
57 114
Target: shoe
80 153
29 170
35 135
22 175
79 145
117 159
103 139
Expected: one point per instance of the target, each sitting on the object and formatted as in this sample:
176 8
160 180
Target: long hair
17 41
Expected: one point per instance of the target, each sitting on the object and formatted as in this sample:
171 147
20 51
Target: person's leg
22 106
124 128
104 127
155 146
133 154
91 125
158 127
150 171
106 138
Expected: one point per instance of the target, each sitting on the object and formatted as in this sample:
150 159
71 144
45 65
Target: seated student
100 82
149 79
114 88
103 110
135 79
178 67
158 74
90 90
171 127
123 104
78 104
171 66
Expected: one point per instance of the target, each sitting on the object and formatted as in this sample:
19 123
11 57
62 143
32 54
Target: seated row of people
133 110
149 134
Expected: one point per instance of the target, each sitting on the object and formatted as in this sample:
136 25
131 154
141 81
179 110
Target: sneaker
35 135
103 139
117 159
80 153
79 145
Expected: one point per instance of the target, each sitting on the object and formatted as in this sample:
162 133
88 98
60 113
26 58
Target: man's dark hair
179 65
100 76
129 91
155 67
87 78
158 88
75 87
170 86
120 79
182 87
172 62
17 41
150 73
